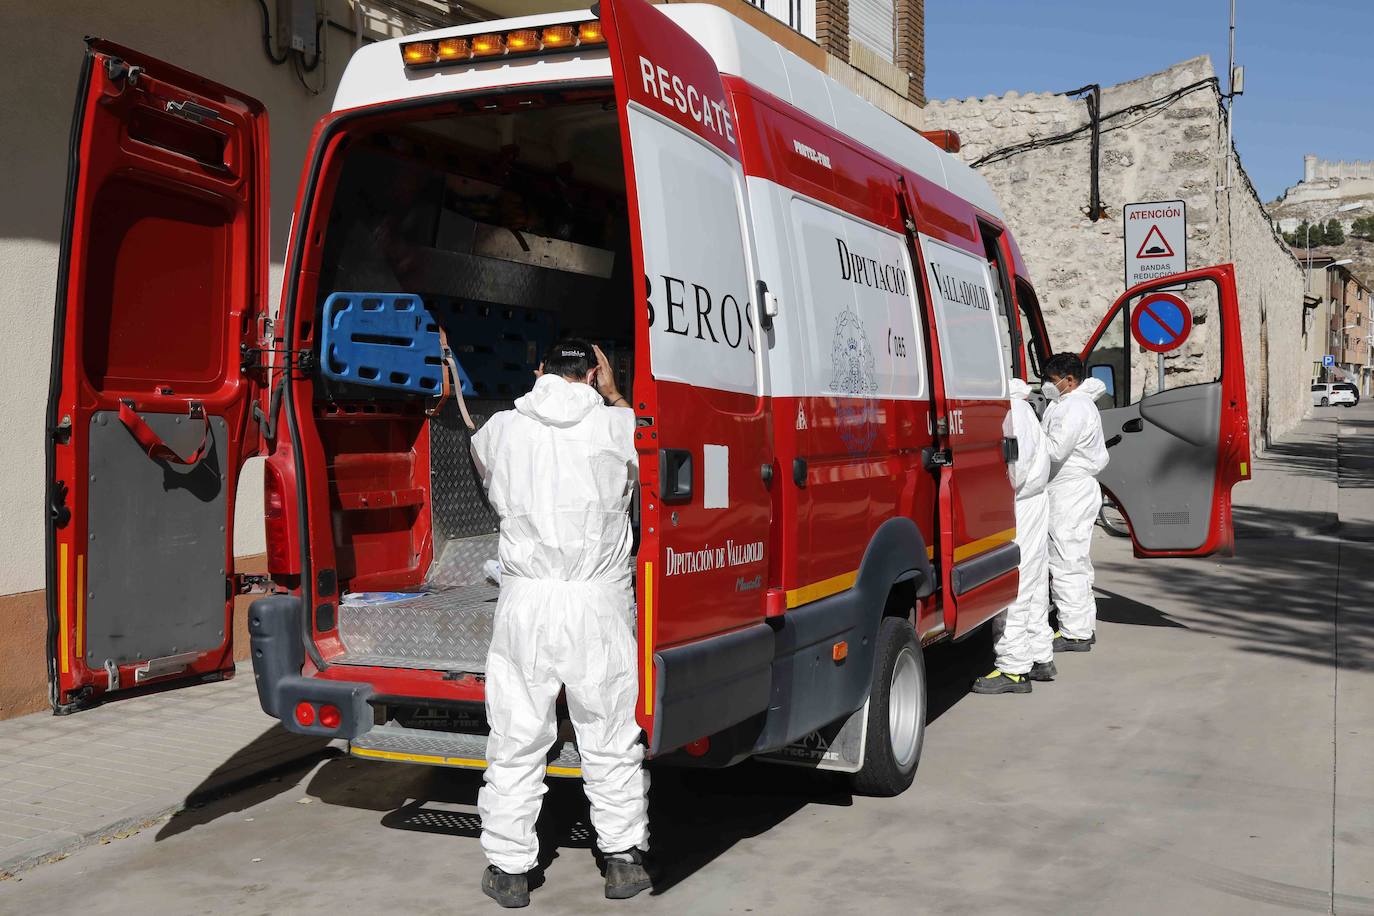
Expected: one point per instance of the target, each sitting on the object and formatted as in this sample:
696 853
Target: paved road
1214 754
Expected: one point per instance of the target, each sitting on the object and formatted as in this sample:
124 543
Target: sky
1309 64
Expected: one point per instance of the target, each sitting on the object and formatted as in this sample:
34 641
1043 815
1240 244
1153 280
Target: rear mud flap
838 746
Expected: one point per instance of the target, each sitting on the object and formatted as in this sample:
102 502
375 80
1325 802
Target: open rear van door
702 434
1174 416
161 285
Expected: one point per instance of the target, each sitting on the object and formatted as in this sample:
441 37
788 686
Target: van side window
1008 326
971 354
1036 349
860 306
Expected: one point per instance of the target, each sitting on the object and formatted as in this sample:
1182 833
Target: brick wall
911 47
832 27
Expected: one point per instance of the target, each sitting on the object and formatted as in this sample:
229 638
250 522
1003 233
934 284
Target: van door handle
1133 426
674 474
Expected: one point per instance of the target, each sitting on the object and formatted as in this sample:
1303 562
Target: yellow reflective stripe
471 763
983 545
823 589
63 630
648 647
80 605
1244 468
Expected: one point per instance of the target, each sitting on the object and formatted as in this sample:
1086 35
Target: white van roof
375 74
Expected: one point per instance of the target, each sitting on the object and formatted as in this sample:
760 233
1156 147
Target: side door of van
976 549
703 429
161 283
1176 423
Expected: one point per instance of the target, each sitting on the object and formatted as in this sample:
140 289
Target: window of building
874 22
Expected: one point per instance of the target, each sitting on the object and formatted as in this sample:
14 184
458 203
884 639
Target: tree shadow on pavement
1277 597
253 774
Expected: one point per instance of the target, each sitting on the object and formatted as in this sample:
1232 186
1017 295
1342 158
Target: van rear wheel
896 713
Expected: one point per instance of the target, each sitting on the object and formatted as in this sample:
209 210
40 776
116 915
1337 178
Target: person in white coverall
1024 652
560 470
1077 452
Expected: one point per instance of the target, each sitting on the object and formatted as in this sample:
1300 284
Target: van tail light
274 518
330 717
305 714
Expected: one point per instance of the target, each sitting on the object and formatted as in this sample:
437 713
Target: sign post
1156 240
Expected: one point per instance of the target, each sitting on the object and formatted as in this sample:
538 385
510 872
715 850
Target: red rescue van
816 311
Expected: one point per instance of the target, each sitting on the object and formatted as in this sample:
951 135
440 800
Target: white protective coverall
1023 629
1077 452
560 470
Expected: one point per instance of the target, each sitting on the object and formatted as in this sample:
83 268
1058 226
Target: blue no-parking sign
1161 322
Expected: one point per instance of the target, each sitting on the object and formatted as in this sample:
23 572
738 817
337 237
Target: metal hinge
251 358
62 432
250 584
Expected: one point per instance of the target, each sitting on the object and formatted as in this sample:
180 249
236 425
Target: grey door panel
1163 467
156 580
1192 413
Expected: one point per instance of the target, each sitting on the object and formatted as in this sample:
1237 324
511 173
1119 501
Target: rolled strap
152 443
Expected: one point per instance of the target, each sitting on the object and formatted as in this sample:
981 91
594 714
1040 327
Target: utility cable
1146 109
267 36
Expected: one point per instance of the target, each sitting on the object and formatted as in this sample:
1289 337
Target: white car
1333 395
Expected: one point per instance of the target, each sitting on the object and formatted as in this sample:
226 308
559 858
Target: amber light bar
512 43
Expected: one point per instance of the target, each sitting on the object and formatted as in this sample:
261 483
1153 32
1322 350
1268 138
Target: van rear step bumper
448 749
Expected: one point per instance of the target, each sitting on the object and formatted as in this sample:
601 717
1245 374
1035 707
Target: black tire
885 773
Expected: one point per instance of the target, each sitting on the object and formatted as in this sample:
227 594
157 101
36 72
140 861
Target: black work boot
626 874
999 681
1064 643
510 891
1043 671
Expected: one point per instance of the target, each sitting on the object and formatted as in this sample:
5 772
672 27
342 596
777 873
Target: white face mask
1051 391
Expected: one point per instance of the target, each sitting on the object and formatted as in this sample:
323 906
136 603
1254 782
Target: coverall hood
555 401
1092 388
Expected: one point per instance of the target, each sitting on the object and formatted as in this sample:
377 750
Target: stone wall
1163 138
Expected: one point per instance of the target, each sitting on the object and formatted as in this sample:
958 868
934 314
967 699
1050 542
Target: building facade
1349 328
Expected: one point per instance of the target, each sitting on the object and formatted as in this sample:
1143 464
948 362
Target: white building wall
42 46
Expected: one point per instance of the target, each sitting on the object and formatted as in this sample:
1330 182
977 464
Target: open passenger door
1175 422
702 430
162 282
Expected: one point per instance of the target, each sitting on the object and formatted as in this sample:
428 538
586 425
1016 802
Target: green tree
1363 228
1298 237
1334 234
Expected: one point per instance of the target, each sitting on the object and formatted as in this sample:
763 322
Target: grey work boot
510 891
999 681
1064 643
1043 671
626 874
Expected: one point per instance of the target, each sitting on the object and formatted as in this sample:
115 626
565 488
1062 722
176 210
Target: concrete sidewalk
67 782
1293 489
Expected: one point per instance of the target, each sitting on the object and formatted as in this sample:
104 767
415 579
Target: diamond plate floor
446 631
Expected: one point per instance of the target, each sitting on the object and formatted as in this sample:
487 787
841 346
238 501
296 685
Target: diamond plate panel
458 505
448 631
451 746
460 563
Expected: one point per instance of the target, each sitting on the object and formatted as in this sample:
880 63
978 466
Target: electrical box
296 26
